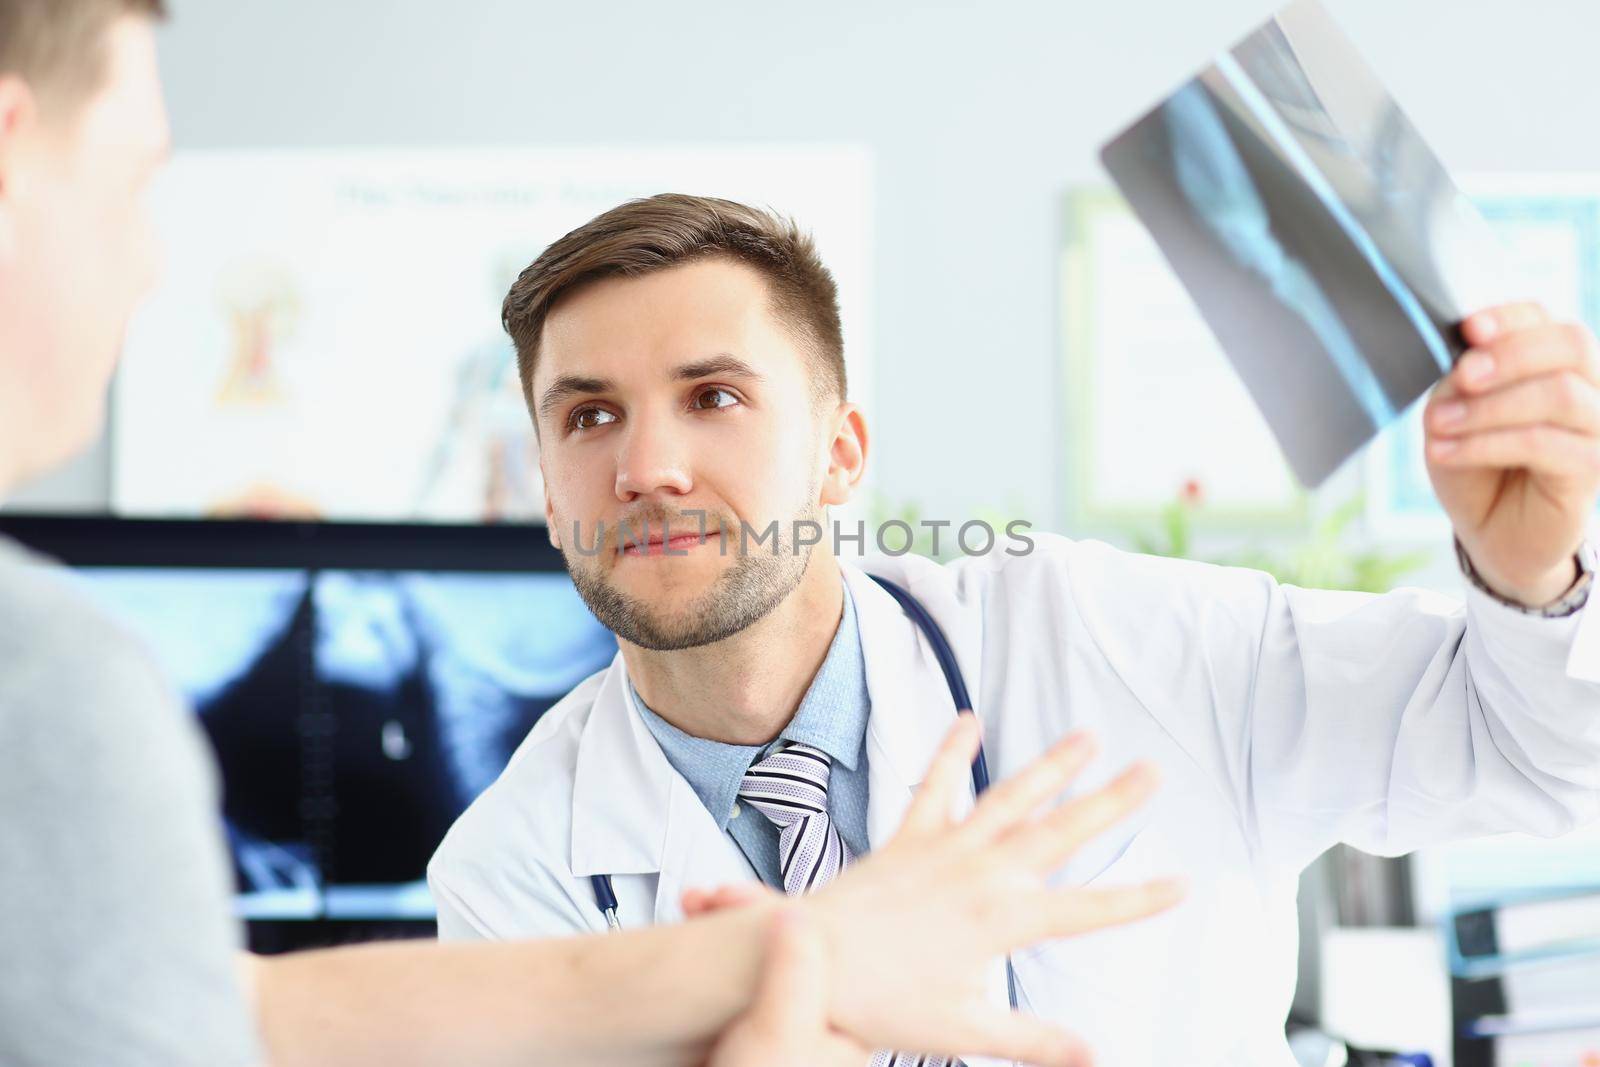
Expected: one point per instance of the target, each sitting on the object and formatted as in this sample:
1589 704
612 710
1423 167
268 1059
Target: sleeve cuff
1570 641
1576 596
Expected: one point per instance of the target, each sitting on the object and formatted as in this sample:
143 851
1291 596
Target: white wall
979 115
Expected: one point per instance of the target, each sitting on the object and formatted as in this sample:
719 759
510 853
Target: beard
744 594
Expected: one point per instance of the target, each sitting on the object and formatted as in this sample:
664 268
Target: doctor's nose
650 461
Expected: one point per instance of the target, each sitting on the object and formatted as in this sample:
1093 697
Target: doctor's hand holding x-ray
1513 449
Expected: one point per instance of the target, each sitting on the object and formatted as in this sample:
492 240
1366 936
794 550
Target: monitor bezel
115 541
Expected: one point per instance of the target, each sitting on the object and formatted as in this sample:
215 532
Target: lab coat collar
633 813
630 808
622 785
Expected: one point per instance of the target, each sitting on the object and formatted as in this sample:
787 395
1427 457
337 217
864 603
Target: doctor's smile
666 544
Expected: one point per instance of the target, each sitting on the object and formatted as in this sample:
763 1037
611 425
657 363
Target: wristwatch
1568 603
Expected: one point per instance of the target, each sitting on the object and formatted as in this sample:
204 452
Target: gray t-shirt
116 940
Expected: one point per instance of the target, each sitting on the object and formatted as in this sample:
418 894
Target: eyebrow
721 365
568 386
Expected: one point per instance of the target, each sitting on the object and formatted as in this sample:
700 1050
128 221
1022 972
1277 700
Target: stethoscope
605 896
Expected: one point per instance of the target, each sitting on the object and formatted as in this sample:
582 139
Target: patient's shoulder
69 673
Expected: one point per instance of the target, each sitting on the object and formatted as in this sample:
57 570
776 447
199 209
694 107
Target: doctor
682 360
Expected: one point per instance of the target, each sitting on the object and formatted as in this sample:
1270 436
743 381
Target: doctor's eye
712 393
589 418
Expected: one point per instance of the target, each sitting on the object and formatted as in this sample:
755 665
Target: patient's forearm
652 996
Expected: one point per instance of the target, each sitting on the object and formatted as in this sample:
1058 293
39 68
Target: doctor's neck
744 689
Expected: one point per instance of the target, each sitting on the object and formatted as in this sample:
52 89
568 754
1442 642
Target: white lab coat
1285 720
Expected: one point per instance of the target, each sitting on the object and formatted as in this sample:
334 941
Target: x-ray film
1322 240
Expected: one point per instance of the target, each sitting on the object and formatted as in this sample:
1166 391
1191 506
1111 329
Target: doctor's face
665 395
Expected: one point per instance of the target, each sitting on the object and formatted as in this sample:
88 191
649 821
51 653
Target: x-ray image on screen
427 683
355 714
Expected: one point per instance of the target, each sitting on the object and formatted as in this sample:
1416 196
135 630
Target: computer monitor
360 685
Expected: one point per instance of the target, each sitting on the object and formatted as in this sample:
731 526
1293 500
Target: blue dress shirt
832 717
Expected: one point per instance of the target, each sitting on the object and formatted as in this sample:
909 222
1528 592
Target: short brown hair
644 236
58 46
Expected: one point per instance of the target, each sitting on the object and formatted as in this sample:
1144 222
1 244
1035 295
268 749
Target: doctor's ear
551 529
847 455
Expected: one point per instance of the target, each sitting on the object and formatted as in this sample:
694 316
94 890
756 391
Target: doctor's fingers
696 902
1014 801
946 779
1484 326
1527 353
1045 843
1070 912
1563 398
1571 459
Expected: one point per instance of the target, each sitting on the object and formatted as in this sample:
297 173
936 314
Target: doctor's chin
798 548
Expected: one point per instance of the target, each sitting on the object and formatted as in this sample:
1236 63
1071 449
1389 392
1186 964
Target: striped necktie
790 787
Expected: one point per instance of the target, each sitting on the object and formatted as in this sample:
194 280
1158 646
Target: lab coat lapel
698 854
621 787
632 813
911 705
